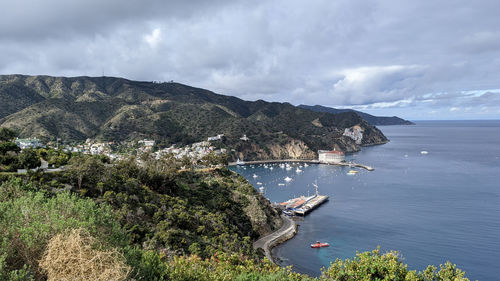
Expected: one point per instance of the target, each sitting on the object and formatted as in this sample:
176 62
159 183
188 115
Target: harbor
310 161
302 205
299 206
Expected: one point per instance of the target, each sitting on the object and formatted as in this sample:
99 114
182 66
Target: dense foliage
375 266
155 220
29 218
11 156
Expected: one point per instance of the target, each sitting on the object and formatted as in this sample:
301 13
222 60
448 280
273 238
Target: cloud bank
407 58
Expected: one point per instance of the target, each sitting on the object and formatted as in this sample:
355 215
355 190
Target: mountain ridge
373 120
118 109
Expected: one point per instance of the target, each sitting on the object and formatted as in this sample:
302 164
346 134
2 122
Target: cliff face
352 140
295 149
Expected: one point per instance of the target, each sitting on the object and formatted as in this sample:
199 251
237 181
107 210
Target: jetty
302 205
257 162
311 205
272 161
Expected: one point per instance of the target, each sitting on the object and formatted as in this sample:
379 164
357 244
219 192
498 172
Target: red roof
335 152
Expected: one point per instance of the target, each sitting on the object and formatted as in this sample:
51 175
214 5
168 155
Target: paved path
267 242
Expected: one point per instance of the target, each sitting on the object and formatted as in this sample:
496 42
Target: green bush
29 219
375 266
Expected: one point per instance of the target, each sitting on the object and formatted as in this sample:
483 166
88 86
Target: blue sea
431 208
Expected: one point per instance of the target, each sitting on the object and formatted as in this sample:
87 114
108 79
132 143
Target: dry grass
76 256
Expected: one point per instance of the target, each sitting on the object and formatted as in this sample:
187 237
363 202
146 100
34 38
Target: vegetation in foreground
152 220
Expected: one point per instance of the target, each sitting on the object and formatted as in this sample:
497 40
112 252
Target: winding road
286 231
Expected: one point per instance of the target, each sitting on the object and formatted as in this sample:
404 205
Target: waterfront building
333 156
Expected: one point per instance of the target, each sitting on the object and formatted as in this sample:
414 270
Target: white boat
261 189
254 176
271 168
281 184
424 152
305 165
288 168
298 170
288 179
259 183
239 162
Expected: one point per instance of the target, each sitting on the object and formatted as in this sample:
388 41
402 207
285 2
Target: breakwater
345 164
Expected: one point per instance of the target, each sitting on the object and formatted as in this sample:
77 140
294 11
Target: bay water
431 208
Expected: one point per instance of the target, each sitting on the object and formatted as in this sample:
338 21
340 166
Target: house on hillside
218 137
28 143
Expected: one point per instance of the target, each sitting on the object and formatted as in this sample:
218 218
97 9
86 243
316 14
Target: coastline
286 232
345 164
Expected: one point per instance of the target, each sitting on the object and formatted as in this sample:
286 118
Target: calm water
431 208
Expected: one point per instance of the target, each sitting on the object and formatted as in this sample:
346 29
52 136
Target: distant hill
118 109
373 120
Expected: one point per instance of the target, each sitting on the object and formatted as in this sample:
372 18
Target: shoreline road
287 231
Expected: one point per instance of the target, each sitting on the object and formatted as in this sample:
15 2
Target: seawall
287 231
345 164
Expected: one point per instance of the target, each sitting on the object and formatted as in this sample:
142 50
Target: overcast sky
414 59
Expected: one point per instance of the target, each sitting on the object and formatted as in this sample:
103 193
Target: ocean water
435 207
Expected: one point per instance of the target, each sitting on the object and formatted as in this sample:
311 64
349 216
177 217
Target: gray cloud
383 55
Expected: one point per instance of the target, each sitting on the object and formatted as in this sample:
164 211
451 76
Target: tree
375 266
29 159
8 146
7 134
87 171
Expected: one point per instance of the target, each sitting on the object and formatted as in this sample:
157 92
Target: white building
244 138
146 142
28 143
218 137
333 156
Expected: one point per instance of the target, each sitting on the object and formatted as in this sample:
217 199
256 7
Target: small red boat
319 245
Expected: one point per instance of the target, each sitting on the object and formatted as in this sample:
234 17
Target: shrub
29 219
77 255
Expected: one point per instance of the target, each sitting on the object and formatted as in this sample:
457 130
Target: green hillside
118 109
373 120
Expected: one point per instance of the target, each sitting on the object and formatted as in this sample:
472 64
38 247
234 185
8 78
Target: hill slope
119 109
373 120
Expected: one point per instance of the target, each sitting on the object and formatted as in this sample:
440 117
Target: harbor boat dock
257 162
300 206
311 205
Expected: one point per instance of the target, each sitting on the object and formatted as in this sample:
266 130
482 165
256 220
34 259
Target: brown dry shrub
76 255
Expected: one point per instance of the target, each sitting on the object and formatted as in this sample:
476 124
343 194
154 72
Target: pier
300 206
311 205
345 164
